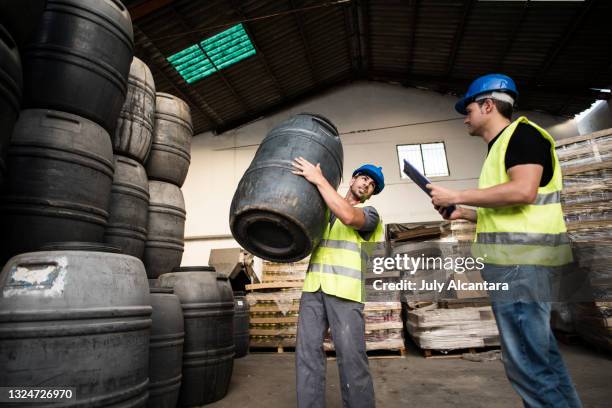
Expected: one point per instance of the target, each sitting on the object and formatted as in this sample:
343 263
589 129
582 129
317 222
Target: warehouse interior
144 288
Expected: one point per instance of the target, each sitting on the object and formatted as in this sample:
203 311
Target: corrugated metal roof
555 51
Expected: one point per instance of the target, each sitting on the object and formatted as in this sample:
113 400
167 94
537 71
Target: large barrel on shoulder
166 350
74 315
241 324
170 153
10 93
134 130
79 58
165 230
276 214
128 209
60 176
208 310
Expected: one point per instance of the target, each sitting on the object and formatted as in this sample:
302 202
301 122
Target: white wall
218 162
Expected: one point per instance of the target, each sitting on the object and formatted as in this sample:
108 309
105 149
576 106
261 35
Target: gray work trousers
318 311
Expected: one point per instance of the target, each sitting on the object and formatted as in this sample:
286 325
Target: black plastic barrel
165 230
170 153
208 309
241 324
60 176
166 349
128 209
74 315
21 18
134 130
275 214
10 93
79 58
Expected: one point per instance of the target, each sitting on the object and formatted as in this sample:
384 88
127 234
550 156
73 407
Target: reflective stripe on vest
522 234
337 263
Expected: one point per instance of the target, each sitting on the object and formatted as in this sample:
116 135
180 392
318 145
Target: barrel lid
79 246
161 290
195 269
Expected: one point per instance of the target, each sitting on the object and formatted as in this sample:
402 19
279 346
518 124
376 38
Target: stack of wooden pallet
586 162
274 304
383 327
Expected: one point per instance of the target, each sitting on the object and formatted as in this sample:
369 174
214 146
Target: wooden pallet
279 348
456 353
275 285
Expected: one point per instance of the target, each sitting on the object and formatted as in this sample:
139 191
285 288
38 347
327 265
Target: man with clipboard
521 232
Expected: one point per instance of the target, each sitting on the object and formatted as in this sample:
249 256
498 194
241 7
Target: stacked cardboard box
586 162
434 328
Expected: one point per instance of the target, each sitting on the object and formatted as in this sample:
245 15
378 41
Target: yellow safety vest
336 263
533 234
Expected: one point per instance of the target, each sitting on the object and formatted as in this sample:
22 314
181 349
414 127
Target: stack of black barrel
79 123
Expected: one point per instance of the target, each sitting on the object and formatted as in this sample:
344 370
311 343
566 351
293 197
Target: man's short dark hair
503 107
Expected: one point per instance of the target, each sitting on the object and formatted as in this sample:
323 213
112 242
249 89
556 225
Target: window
219 51
428 158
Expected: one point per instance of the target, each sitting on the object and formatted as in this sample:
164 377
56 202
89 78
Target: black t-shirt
527 146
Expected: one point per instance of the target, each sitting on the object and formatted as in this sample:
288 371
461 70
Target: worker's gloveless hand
455 215
309 171
442 196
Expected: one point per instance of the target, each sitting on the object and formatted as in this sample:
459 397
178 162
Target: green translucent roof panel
212 54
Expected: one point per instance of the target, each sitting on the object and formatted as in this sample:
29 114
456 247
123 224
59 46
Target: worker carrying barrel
521 232
333 293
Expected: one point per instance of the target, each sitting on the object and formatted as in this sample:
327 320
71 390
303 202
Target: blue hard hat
375 173
486 83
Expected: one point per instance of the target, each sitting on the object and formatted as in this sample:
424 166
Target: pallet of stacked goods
586 162
437 330
274 304
443 321
383 329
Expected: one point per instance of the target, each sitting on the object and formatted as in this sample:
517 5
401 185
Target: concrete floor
268 380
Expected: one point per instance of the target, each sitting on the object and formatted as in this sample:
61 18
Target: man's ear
352 181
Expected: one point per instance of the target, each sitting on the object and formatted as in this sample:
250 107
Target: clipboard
421 181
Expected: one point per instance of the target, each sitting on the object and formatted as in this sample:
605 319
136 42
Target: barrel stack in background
79 58
76 315
208 309
166 228
167 166
60 175
170 153
134 131
166 349
128 210
75 70
275 214
10 93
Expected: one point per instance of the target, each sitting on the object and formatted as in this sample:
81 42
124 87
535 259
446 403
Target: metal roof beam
569 34
300 24
467 9
411 41
260 54
517 29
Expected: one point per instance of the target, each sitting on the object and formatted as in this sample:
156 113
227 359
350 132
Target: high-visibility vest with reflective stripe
336 263
533 234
